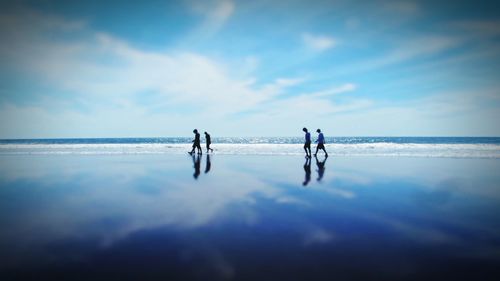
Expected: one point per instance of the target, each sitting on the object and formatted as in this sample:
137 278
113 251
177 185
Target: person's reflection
208 165
307 169
321 167
196 162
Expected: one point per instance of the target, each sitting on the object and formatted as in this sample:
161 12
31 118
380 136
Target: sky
84 69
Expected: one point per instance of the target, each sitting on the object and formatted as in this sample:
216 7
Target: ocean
454 147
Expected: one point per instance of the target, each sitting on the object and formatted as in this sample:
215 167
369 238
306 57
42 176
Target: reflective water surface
229 217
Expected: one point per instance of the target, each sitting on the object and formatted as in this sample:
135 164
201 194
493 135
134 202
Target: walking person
321 143
196 142
307 144
208 141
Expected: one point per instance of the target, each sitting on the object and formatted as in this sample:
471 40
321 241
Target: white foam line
360 149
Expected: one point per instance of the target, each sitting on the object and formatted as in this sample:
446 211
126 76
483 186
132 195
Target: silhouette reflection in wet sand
196 163
247 221
307 170
208 165
321 167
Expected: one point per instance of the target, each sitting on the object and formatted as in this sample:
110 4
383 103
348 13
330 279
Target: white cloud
288 82
407 50
109 77
349 87
215 13
181 78
318 42
443 114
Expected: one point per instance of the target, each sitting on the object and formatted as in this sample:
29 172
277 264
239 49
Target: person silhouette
208 141
208 165
196 142
196 165
307 169
321 168
321 143
307 144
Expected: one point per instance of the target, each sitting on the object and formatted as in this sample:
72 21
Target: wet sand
177 217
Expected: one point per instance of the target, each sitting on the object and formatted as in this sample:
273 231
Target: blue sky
249 68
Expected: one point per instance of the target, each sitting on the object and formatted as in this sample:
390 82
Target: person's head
195 131
318 131
206 133
304 129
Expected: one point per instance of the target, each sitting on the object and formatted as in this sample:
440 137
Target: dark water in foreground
170 217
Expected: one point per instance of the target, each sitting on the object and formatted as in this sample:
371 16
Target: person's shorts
321 146
307 144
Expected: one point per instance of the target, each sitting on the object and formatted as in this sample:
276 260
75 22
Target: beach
107 106
248 217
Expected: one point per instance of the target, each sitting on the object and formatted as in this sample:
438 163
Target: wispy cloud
404 51
349 87
97 69
318 42
215 13
289 81
102 67
236 65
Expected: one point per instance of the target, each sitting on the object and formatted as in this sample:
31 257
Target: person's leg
324 150
305 149
315 153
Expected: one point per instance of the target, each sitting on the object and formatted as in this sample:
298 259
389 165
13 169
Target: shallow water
169 217
430 147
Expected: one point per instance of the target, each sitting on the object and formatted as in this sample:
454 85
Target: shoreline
355 150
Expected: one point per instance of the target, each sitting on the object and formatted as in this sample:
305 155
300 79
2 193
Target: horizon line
335 136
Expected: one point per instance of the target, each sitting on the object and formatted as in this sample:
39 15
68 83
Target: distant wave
390 149
262 140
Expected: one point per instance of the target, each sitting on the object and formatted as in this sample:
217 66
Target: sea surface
457 147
